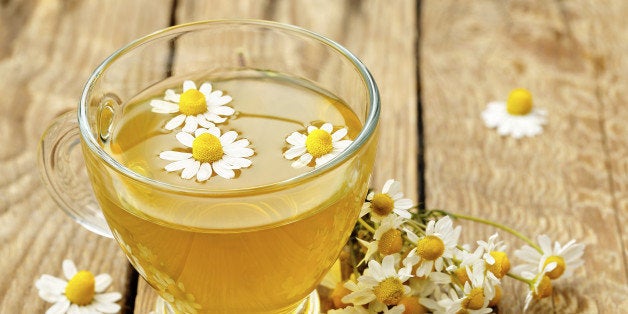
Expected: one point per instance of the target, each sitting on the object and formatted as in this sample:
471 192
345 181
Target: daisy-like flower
516 117
390 200
439 242
478 292
540 286
82 292
320 145
380 286
387 238
211 152
195 106
566 258
496 259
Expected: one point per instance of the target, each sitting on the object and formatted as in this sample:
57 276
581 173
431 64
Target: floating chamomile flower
516 117
211 152
81 293
320 145
196 106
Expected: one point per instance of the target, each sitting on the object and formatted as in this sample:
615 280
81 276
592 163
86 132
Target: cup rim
367 131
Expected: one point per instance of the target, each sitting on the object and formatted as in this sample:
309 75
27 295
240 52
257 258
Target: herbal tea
241 250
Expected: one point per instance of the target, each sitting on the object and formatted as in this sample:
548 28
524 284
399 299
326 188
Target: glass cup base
310 305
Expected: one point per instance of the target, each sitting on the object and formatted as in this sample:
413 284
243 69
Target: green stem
496 225
366 225
517 277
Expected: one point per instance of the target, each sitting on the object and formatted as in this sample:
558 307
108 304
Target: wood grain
47 51
565 183
375 31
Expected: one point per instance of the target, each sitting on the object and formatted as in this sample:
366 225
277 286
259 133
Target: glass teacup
261 248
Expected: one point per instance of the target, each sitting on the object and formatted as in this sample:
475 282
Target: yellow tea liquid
241 252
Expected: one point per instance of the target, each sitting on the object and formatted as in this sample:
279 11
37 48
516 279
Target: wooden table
437 64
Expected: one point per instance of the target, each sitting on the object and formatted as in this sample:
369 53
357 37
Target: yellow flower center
460 274
80 289
412 306
318 143
544 288
389 291
559 269
192 102
431 247
474 300
501 266
207 148
498 297
390 242
382 204
519 102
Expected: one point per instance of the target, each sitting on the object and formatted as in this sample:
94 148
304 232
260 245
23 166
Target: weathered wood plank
47 51
557 183
382 34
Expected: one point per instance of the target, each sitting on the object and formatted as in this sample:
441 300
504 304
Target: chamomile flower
566 258
478 292
439 242
387 238
390 200
196 107
82 292
320 145
496 259
540 286
211 152
380 286
516 117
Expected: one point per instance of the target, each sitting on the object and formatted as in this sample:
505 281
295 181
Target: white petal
324 159
108 297
174 156
185 138
240 143
190 124
294 152
237 162
303 161
69 269
311 128
296 139
214 117
51 284
206 88
223 170
404 203
187 85
228 138
175 122
178 165
170 95
338 135
341 145
102 282
327 127
214 131
221 101
162 106
238 151
59 307
106 307
223 110
204 172
191 170
204 122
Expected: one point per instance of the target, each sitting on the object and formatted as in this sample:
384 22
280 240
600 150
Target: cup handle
63 172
